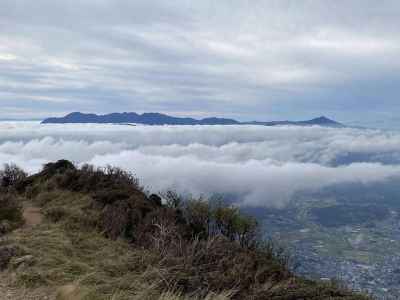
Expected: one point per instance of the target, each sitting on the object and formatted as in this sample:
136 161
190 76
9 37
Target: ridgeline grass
103 237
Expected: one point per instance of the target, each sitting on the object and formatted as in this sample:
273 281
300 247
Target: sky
264 60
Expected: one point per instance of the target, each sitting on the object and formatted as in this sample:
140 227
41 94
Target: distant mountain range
162 119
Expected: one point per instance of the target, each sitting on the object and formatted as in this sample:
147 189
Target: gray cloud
258 59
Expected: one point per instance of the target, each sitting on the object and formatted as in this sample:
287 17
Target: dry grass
103 238
65 254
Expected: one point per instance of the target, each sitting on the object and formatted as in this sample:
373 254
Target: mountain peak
322 120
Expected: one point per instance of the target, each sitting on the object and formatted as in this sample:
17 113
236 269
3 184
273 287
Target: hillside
88 233
162 119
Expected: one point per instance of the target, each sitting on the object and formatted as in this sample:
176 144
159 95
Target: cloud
254 164
255 183
248 60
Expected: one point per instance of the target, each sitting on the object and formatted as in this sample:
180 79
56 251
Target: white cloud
254 182
260 165
7 56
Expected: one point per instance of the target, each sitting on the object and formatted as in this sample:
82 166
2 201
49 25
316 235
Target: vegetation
10 202
104 238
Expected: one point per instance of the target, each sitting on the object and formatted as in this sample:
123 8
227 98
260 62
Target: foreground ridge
103 237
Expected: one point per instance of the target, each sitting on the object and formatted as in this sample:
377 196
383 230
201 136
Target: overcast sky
254 59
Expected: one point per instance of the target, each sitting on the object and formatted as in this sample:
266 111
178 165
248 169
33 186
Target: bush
115 195
198 215
173 200
208 219
10 213
12 176
61 166
7 253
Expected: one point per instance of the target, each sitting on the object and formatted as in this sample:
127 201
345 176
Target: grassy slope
103 269
70 247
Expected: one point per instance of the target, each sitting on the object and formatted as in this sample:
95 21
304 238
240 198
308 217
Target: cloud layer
260 59
255 165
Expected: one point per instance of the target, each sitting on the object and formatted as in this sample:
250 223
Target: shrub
207 219
61 166
230 222
173 200
198 215
10 213
12 176
7 253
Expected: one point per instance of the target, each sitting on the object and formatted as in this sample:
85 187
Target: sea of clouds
258 165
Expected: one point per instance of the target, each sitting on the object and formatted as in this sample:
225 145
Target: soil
33 217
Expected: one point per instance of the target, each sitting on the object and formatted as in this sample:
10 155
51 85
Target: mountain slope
102 237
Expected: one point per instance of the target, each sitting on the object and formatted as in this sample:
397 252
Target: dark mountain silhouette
321 121
162 119
131 117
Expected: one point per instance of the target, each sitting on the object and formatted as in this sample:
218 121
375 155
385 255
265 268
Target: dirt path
32 215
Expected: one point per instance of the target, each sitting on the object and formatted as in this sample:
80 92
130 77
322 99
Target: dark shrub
117 219
10 213
7 253
12 176
198 215
155 200
60 166
160 223
88 178
209 219
109 196
119 176
116 195
173 200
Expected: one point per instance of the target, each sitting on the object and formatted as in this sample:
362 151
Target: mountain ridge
164 119
99 235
